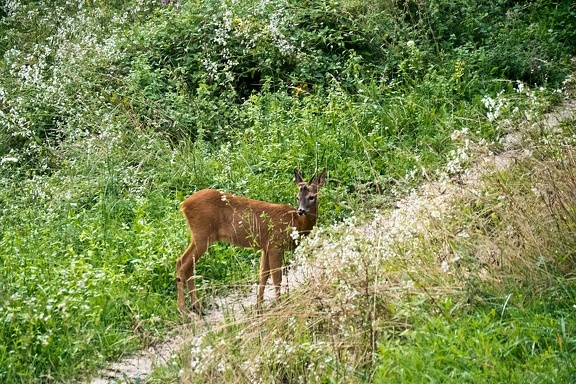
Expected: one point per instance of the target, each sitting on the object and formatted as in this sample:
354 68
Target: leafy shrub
242 46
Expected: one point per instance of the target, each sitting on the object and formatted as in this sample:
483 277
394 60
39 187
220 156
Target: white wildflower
445 266
8 160
295 235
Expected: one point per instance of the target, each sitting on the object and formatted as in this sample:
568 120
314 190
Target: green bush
111 113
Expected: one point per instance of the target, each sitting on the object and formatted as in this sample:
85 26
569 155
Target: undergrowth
111 113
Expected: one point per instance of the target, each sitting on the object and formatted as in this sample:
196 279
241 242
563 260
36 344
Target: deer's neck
305 223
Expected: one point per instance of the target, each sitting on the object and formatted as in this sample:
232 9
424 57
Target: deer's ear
297 176
320 179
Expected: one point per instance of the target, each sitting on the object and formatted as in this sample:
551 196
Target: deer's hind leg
185 267
275 262
264 274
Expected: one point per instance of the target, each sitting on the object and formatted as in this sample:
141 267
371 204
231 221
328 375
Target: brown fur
213 215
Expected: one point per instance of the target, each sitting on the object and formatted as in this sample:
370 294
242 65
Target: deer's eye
311 198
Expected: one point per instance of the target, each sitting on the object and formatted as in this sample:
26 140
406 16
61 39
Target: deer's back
218 216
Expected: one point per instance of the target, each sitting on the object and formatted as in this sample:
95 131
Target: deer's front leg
275 261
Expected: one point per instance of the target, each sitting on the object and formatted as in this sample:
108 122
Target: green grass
112 113
533 344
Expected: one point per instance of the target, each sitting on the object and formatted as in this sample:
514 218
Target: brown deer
213 215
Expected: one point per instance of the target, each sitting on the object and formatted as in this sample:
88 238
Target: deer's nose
301 212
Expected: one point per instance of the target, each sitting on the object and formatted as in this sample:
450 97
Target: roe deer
213 215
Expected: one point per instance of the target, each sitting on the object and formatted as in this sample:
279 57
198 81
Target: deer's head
307 192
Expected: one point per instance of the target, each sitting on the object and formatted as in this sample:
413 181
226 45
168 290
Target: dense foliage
112 112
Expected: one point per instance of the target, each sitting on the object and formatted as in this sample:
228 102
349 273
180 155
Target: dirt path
134 368
432 198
